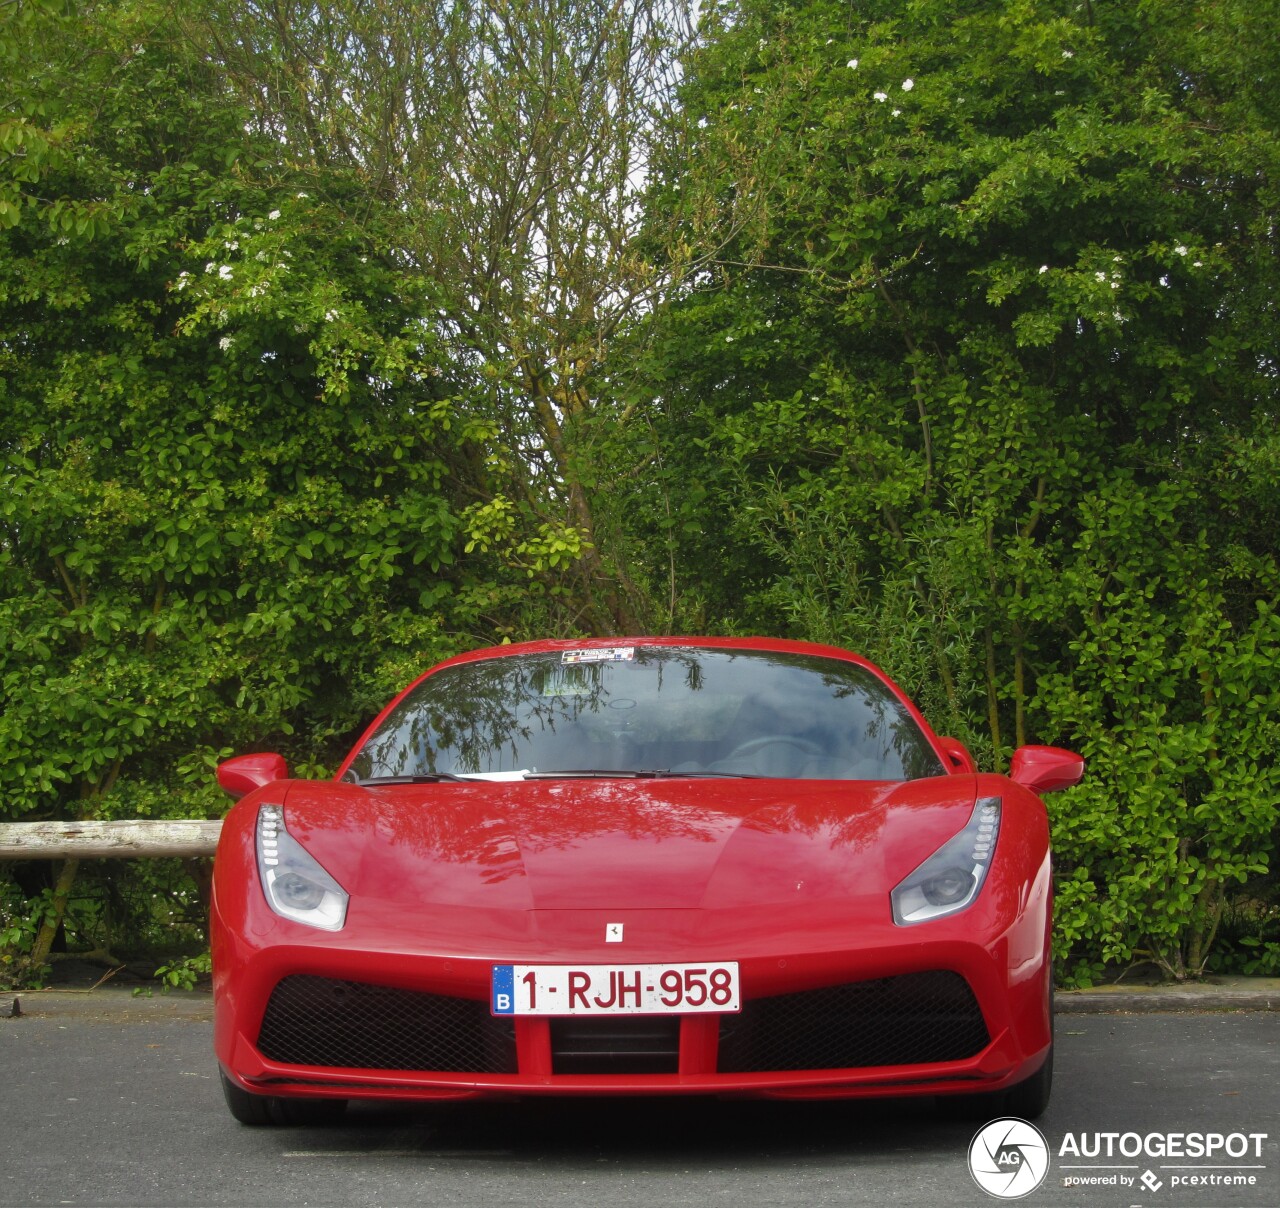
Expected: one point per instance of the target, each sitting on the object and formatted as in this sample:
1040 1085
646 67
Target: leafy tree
513 141
226 429
1010 291
333 338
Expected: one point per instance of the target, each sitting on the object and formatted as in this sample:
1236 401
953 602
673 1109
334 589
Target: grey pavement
113 1100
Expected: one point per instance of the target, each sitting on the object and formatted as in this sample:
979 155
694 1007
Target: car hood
624 844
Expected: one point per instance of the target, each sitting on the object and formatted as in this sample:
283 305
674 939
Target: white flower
183 281
881 96
908 85
301 196
1044 268
211 267
225 272
330 316
1197 264
225 343
1100 276
852 64
728 339
1068 54
257 289
274 215
897 113
231 245
1181 249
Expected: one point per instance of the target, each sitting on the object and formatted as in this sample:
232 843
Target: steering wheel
754 746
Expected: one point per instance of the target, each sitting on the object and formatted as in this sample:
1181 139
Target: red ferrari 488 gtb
658 866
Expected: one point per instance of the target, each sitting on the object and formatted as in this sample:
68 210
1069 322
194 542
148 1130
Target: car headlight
950 879
295 885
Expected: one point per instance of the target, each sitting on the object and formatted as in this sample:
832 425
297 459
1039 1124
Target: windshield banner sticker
605 654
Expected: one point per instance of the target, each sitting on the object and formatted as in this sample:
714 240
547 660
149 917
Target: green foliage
984 385
1177 711
227 430
21 918
304 383
185 973
511 140
1251 927
224 433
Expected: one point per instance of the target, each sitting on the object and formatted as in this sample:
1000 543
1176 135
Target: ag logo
1008 1158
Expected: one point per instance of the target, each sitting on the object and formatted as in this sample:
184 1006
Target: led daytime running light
950 879
294 883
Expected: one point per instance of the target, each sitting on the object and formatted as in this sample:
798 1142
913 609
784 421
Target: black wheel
1026 1099
272 1109
1031 1096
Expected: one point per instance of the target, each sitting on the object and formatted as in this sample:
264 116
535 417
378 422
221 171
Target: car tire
1026 1099
1030 1097
257 1110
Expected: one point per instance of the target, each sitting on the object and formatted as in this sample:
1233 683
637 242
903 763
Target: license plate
615 989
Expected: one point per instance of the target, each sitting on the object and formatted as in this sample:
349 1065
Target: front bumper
896 1013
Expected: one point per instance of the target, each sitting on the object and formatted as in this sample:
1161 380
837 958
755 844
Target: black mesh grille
617 1044
322 1021
904 1020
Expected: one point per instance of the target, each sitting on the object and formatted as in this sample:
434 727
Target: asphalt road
114 1103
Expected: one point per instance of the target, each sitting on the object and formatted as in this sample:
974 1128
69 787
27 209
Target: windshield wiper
715 775
635 774
419 778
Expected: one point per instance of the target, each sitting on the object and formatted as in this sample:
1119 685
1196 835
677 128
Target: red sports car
658 866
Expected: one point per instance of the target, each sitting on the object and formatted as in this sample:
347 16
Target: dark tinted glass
675 709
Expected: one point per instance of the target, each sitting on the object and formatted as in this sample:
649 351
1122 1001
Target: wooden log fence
123 839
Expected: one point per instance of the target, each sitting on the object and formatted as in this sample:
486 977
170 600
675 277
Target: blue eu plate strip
503 1001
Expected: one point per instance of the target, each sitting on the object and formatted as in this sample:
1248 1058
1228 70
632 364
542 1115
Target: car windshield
649 710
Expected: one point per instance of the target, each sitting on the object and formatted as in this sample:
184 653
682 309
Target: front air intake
906 1020
357 1025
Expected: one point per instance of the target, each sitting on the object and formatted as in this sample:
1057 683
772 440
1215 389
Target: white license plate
615 989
